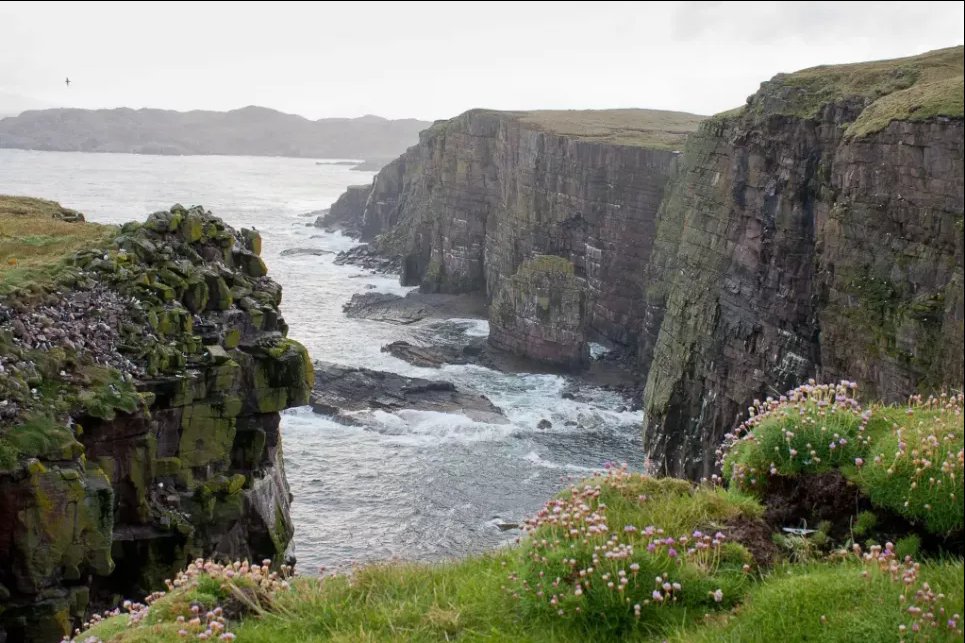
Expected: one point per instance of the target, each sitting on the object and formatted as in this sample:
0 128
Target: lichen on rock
142 381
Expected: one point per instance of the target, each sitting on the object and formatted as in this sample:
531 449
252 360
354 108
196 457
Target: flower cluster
579 563
917 468
922 606
208 626
242 585
813 427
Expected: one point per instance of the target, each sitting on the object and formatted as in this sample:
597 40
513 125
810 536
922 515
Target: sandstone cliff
141 380
485 192
817 231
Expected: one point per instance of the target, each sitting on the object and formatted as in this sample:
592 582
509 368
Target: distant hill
248 131
13 104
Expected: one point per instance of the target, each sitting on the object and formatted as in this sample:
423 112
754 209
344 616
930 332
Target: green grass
830 604
43 437
656 129
649 128
910 89
915 467
906 459
841 598
35 240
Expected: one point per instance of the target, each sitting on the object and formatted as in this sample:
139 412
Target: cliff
487 191
343 214
256 131
141 375
815 231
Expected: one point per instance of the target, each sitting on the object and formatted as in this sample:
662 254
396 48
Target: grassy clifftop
36 235
649 128
624 556
652 128
913 89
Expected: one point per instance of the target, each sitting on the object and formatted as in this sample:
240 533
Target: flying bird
67 81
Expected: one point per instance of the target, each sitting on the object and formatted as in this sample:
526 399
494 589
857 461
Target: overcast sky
435 60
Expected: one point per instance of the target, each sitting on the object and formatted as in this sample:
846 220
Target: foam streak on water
415 485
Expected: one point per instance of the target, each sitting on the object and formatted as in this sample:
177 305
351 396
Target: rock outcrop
540 313
437 356
141 390
385 307
817 231
487 191
342 390
343 214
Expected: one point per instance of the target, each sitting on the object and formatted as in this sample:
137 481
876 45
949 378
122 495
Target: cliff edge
816 231
142 369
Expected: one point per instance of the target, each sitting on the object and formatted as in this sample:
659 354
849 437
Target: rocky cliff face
139 428
344 213
487 191
815 232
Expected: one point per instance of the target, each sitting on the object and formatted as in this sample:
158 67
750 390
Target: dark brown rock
340 390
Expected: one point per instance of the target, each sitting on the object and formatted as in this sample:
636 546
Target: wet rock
367 257
295 252
544 424
435 356
385 307
503 525
342 390
346 213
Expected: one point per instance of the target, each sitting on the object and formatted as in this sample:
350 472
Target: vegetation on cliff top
912 89
36 235
652 128
620 556
649 128
87 310
909 462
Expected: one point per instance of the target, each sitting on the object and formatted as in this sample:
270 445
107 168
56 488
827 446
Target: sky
435 60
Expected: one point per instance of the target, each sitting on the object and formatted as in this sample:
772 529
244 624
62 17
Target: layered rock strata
815 232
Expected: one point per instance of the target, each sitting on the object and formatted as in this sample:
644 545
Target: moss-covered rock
152 408
540 312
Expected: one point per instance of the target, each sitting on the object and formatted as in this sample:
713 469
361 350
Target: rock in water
366 257
434 356
342 390
379 306
345 213
294 252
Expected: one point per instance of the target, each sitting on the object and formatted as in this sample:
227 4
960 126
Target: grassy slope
34 239
37 238
913 89
473 599
790 607
650 128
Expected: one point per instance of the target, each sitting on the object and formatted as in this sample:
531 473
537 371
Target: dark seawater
412 485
